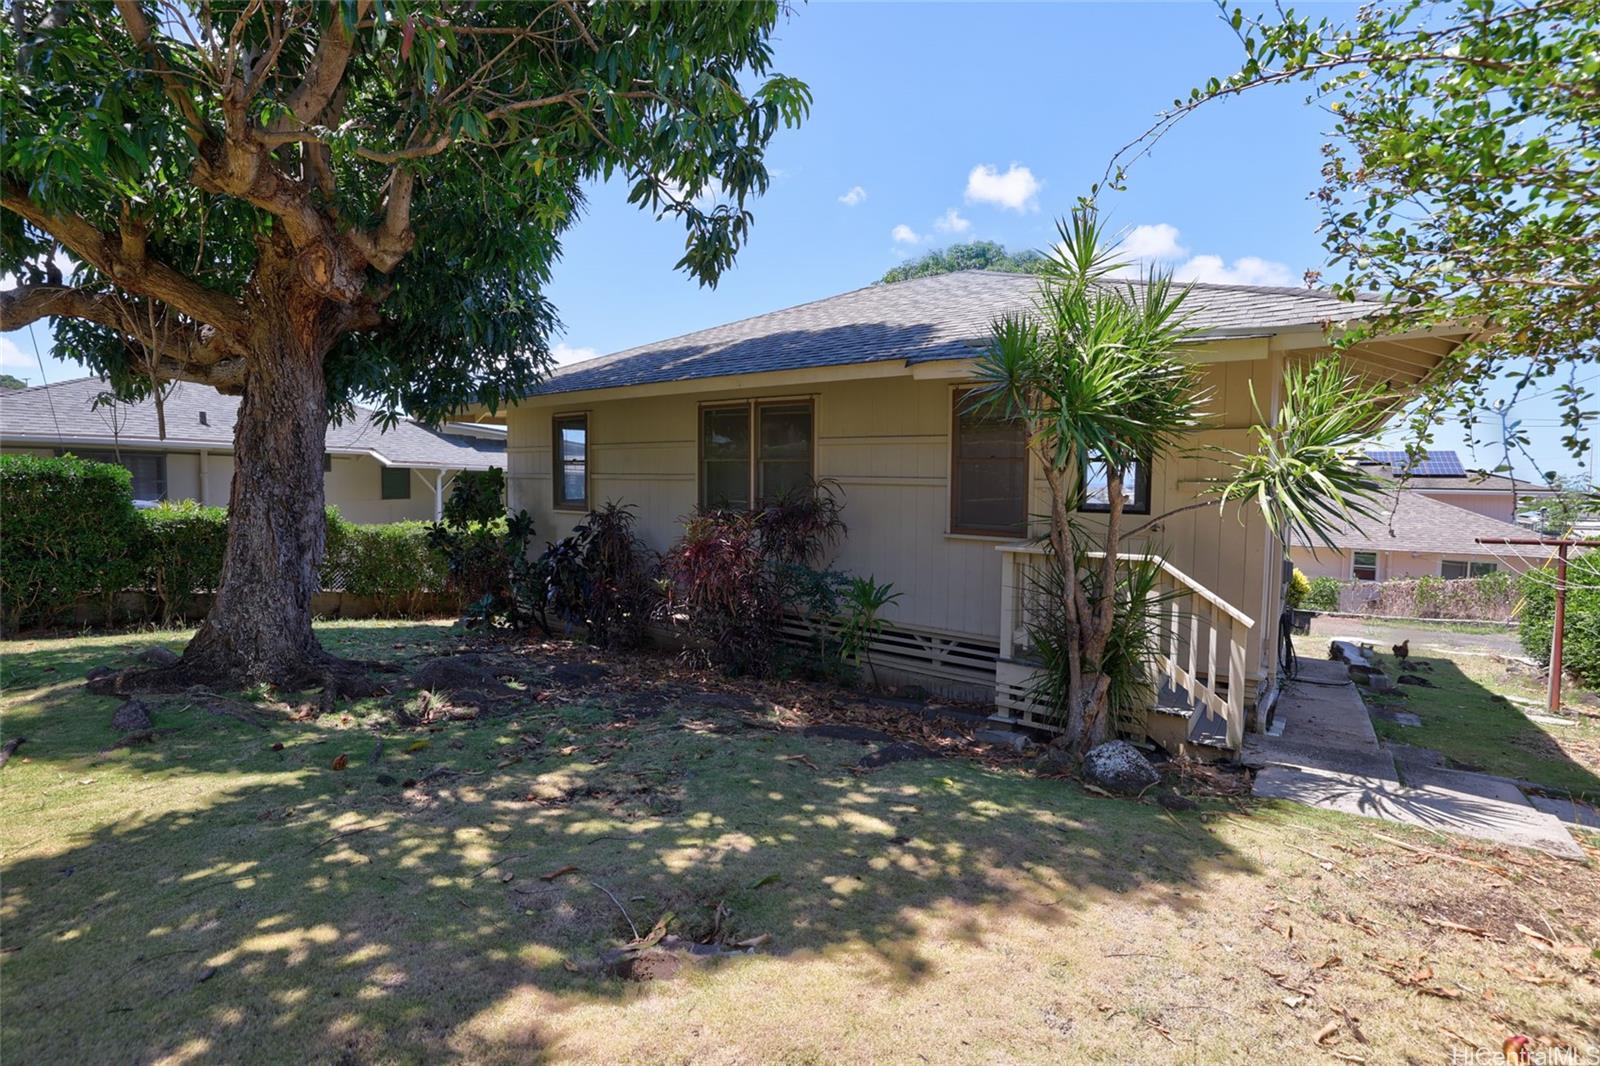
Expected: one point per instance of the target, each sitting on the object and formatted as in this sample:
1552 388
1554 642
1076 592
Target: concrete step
1485 816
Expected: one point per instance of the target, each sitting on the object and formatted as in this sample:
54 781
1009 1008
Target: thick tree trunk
259 628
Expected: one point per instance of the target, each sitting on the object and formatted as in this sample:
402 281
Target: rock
1055 762
1415 679
131 717
575 674
1345 652
860 734
1118 766
156 655
893 753
1172 801
1407 718
1379 681
97 672
1003 738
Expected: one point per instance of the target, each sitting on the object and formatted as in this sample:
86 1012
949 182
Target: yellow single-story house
370 473
865 389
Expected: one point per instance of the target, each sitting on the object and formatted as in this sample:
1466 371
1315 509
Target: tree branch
177 91
142 275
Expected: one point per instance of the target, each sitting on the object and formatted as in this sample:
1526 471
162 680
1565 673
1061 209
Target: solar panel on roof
1437 463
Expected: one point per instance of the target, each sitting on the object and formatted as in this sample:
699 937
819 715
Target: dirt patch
898 752
860 734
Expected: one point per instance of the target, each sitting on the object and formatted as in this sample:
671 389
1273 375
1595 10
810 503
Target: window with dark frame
571 452
754 452
395 482
1364 566
1135 488
1456 569
988 472
149 469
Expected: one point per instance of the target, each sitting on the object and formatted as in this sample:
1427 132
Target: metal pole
1556 633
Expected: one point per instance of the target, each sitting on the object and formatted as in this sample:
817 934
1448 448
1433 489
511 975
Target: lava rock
156 655
1415 679
131 717
1055 762
575 674
893 753
1118 766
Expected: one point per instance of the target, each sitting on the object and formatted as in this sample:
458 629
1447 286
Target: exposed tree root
336 678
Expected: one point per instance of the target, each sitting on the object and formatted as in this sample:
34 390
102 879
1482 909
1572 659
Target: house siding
886 442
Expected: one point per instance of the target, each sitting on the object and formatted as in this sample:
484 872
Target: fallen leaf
418 745
278 746
553 874
770 879
754 942
341 761
1327 1032
1293 1001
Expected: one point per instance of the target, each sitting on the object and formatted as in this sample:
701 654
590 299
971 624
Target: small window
1456 569
572 462
396 482
754 452
149 471
1135 488
988 472
1481 569
1364 566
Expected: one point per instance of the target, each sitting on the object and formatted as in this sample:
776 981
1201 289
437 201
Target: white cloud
951 222
14 358
1162 243
1017 189
904 234
1246 270
564 353
1157 243
855 196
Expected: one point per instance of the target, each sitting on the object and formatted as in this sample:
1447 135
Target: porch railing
1200 643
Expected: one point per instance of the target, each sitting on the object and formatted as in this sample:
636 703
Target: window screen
1453 569
1135 488
149 471
572 462
725 457
783 461
396 482
1364 566
988 473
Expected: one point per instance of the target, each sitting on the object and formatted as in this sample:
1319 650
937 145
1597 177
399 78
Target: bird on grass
1402 650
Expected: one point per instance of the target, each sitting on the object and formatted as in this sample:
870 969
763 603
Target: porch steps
1183 725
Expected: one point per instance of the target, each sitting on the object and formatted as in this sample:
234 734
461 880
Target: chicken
1402 650
1515 1049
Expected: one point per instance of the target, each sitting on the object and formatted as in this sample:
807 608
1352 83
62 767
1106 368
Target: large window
149 470
754 452
1364 566
395 482
571 451
1454 569
988 473
1135 488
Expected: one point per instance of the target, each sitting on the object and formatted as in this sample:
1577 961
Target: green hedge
69 530
1580 647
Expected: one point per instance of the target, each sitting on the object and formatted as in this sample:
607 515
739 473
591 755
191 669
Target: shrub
1299 589
602 576
734 573
183 547
392 564
1580 647
861 619
1322 594
70 531
476 497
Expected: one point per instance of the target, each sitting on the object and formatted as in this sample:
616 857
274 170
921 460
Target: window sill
986 538
569 509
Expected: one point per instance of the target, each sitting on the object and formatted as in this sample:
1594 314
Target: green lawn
1473 713
223 894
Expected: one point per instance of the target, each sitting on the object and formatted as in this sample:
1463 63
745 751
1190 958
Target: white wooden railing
1201 638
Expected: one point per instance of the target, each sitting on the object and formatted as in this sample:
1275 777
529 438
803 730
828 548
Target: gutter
188 444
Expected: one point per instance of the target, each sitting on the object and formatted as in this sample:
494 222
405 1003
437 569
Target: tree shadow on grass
210 898
1475 728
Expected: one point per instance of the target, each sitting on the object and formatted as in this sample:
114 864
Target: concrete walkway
1322 751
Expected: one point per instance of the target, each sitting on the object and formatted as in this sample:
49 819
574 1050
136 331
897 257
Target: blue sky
955 122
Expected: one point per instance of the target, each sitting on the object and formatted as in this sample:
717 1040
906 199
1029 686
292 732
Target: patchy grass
209 898
1474 712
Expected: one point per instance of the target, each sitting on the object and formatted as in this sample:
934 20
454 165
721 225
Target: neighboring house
1443 477
865 389
1416 535
372 475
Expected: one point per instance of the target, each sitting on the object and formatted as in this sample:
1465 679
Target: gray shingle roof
921 320
201 417
1412 522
